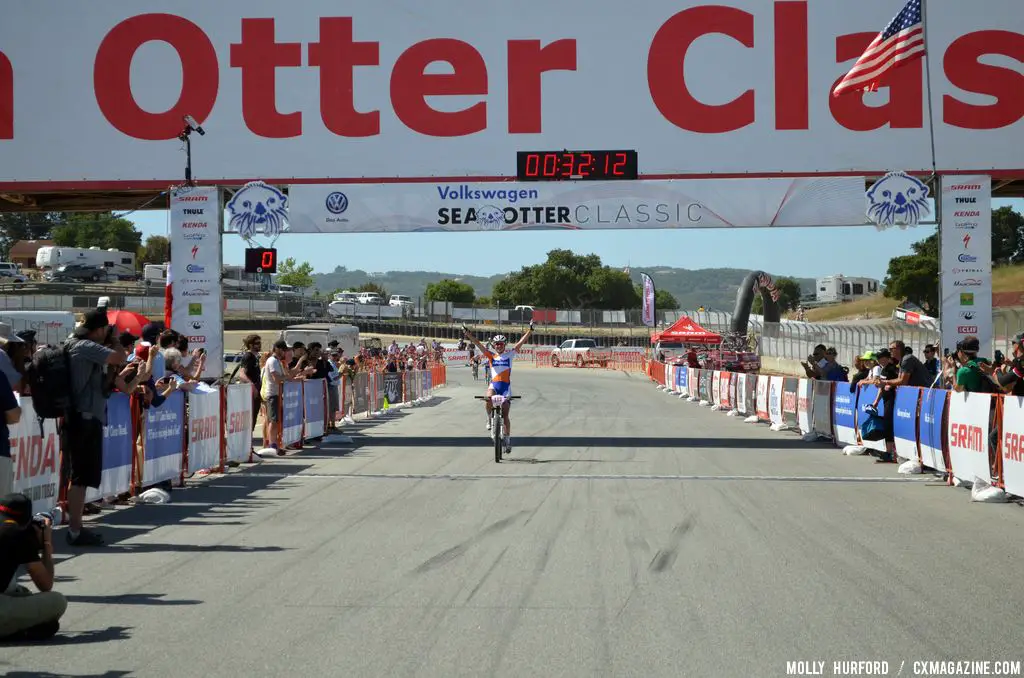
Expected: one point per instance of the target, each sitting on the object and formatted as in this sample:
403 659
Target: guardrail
967 437
194 432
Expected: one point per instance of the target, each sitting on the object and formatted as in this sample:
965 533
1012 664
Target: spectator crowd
76 378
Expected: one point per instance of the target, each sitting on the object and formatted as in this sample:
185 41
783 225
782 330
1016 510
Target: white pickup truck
580 352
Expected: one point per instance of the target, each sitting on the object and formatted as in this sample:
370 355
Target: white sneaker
488 424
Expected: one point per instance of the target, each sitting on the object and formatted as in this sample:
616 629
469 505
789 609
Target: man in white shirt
272 388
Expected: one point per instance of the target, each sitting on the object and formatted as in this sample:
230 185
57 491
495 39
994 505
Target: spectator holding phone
1010 375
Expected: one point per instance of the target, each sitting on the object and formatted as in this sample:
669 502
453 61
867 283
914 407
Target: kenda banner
197 308
35 457
367 91
966 260
579 205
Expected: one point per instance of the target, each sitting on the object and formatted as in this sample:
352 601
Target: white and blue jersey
500 369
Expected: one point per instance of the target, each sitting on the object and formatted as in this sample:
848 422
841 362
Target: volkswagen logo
336 202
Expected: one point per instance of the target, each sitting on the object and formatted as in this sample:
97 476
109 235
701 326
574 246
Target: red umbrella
128 321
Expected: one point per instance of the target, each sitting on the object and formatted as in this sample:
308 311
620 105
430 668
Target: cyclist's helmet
498 339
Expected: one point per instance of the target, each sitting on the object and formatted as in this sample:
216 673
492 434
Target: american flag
900 42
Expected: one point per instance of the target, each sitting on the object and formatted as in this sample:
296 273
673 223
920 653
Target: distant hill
713 288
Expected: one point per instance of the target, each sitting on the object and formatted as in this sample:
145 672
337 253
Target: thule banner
966 261
194 272
512 206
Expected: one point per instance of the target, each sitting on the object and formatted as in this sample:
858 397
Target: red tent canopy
686 330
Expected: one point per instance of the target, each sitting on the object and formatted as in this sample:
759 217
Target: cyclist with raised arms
500 370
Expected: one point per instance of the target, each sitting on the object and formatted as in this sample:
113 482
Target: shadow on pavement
131 599
81 638
213 499
45 674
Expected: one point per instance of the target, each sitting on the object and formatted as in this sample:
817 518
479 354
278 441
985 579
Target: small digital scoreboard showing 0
260 260
576 165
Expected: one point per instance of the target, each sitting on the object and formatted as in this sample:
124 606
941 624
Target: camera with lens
46 518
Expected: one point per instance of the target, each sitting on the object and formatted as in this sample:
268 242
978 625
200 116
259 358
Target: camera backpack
50 382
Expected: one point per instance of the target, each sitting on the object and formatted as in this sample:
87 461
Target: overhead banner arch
452 92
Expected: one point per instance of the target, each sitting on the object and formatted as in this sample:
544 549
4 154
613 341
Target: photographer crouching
27 540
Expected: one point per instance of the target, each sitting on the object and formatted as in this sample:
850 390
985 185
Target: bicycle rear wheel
496 426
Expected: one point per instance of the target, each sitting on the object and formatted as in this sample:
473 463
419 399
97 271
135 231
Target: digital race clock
568 165
260 260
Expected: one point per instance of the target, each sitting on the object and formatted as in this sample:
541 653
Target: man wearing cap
1012 375
9 341
23 541
971 376
83 427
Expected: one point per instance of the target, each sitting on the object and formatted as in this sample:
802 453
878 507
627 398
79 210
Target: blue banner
165 426
867 396
313 394
933 403
844 407
117 434
292 402
905 419
681 378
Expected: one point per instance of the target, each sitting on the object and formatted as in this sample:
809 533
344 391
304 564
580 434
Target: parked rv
118 265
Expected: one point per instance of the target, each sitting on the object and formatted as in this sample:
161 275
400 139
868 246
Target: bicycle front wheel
498 434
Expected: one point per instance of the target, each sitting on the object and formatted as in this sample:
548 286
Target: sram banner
455 90
1013 445
508 206
194 272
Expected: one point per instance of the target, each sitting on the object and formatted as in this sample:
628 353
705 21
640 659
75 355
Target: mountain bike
497 422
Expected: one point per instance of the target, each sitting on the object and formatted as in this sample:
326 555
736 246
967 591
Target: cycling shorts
502 388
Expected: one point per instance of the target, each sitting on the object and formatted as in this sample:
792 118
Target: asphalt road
630 534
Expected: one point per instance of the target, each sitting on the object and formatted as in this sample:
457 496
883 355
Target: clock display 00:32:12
569 165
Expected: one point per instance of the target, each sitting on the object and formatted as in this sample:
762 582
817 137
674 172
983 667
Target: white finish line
582 476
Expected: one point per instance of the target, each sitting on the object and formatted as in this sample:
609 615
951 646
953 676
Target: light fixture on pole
186 136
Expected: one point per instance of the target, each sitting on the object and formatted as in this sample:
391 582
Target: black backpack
49 382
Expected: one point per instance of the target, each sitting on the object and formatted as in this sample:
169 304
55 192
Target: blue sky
804 252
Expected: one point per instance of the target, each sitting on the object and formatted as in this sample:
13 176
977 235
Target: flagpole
936 181
928 87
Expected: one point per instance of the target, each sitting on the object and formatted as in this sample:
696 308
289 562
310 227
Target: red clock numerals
619 168
568 165
586 166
